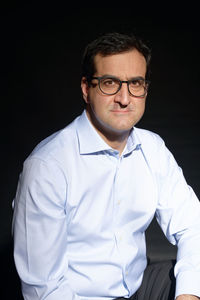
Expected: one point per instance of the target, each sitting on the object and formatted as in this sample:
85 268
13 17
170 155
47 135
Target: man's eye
109 82
136 83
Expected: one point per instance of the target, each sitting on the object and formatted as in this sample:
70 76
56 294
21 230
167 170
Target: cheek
140 104
98 101
140 110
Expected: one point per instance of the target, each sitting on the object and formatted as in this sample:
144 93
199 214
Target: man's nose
123 96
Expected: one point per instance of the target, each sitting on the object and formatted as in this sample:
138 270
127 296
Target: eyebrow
113 76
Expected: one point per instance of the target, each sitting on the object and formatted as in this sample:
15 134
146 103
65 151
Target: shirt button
126 273
118 202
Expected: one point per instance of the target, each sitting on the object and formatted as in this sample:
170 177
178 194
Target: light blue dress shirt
81 212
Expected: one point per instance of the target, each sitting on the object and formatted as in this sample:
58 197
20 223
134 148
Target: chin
125 127
122 129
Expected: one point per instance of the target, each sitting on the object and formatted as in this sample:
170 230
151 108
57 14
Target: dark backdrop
41 48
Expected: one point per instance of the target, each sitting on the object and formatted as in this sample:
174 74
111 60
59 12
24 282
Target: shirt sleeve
178 214
40 232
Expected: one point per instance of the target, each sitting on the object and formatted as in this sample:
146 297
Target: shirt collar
133 143
91 142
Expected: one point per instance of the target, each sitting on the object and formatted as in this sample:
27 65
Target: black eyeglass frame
99 78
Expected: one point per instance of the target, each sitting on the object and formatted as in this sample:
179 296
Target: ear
85 89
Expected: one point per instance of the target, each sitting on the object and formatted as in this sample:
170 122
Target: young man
88 193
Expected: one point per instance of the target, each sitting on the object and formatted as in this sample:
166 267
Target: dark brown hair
109 44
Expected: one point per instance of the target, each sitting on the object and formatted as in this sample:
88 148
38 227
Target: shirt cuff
187 282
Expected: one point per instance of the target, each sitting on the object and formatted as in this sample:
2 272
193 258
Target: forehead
123 65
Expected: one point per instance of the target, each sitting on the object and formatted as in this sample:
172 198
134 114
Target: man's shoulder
57 145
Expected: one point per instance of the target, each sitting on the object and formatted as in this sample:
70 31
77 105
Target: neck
115 139
117 142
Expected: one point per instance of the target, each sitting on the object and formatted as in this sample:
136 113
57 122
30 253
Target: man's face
115 114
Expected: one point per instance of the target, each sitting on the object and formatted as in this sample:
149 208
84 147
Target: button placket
117 200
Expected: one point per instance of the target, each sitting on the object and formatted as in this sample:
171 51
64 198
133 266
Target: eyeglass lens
110 86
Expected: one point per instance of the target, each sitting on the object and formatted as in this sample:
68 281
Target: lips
121 111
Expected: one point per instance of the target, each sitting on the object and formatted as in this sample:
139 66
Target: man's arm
40 232
178 213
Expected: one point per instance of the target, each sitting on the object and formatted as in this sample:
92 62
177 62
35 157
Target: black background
41 49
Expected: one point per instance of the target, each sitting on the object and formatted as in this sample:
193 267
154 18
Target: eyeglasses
110 85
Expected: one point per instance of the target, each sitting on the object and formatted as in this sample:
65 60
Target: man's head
114 86
110 44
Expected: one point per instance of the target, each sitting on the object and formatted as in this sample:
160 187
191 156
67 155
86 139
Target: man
88 193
